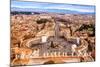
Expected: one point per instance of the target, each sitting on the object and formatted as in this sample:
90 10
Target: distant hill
49 10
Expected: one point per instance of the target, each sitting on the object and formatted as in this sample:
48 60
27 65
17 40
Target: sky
84 2
56 6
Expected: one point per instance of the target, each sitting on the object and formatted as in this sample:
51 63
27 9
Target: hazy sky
84 2
43 5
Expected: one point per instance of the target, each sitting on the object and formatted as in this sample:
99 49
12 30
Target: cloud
83 2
